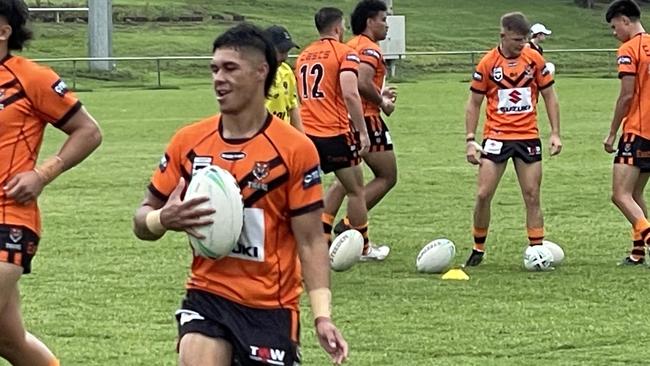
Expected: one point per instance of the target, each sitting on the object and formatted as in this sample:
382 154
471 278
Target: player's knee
484 196
531 198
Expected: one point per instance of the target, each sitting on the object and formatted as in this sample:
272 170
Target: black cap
281 38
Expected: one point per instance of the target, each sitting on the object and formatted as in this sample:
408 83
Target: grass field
98 296
431 25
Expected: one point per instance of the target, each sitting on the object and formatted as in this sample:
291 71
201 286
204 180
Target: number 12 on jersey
312 91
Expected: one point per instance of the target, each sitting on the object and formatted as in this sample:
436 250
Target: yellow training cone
455 274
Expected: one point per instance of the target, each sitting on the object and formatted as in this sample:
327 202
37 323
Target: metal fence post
158 71
74 74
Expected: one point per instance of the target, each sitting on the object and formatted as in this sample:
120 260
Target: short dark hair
249 36
326 17
628 8
17 13
365 10
515 22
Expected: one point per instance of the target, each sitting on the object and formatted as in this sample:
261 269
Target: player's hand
24 187
608 143
556 144
331 340
390 92
184 216
364 143
474 151
387 106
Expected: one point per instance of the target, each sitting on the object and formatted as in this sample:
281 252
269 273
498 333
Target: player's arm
623 102
84 136
349 88
553 112
155 216
368 90
294 118
472 111
313 252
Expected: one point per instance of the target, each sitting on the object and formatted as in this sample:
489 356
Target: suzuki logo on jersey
515 96
497 74
514 101
250 245
272 356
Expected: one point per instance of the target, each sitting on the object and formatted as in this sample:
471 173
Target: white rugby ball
436 256
556 250
346 250
225 198
538 258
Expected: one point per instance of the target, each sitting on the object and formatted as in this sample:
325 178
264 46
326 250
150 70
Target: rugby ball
436 256
538 258
556 250
225 198
346 250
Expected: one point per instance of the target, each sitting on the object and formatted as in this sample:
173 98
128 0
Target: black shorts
499 151
258 336
337 152
378 133
633 150
18 246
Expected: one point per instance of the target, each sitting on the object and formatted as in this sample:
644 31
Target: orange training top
31 96
511 86
278 173
370 54
633 58
318 67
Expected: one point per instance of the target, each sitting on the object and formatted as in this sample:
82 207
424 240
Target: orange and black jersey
370 54
511 86
536 47
278 173
323 111
31 96
633 58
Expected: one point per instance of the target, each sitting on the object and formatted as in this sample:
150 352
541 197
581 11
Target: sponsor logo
200 162
164 161
534 150
60 87
13 246
497 73
15 234
515 96
512 63
643 154
186 316
372 53
233 155
311 177
352 57
250 245
515 100
624 60
271 356
477 76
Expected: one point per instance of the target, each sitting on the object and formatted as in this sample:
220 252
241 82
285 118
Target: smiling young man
244 308
632 162
510 76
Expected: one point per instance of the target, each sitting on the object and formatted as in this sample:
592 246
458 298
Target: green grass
431 25
98 296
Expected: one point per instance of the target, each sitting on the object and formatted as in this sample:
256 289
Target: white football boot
375 253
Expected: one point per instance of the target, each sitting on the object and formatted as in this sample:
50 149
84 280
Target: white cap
539 28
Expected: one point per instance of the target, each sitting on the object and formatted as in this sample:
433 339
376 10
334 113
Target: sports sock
535 235
638 246
327 220
54 362
480 235
643 226
363 229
